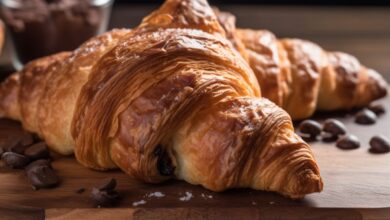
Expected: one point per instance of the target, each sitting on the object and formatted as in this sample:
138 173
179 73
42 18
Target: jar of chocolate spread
43 27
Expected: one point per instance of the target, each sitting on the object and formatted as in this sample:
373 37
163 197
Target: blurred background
361 28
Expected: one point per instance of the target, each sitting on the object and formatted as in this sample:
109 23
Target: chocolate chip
365 117
310 127
104 198
334 127
328 137
379 144
80 190
377 108
15 160
108 184
348 142
42 177
37 151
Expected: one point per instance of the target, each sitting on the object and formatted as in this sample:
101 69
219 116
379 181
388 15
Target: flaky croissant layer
171 98
300 76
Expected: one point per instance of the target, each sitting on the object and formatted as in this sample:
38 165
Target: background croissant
169 99
300 76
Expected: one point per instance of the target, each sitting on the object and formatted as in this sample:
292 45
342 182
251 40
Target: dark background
277 2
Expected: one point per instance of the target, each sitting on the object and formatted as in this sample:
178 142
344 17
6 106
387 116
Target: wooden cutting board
355 181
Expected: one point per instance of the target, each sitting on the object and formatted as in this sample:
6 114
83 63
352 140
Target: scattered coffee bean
328 137
37 151
377 108
108 184
379 144
365 117
334 127
105 198
22 142
15 160
80 190
42 176
310 127
348 142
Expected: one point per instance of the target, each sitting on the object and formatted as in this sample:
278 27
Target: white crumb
271 203
254 203
155 195
186 197
137 203
206 196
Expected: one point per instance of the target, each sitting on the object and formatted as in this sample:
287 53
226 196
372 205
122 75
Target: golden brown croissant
169 99
300 76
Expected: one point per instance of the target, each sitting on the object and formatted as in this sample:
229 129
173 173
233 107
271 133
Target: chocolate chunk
41 162
365 117
42 177
310 127
328 137
379 144
37 151
105 198
377 108
348 142
108 184
15 160
334 127
80 190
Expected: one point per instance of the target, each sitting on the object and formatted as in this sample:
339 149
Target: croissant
300 76
169 99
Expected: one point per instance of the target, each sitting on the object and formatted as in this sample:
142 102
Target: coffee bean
80 190
365 117
348 142
328 137
310 127
42 177
37 151
22 142
379 144
334 127
15 160
108 184
377 108
105 198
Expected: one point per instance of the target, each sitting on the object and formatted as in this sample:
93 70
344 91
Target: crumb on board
205 196
141 202
186 197
155 195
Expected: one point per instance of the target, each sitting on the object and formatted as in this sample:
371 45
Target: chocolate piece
105 198
348 142
41 176
15 160
37 151
108 184
365 117
379 144
334 127
310 127
80 190
41 162
328 137
377 108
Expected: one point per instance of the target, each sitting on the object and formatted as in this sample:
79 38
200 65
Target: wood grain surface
355 181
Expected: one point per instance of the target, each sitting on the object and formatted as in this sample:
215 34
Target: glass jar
43 27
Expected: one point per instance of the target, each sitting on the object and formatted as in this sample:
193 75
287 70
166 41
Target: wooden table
357 183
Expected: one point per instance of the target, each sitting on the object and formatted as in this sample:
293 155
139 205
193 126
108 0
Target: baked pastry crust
171 98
